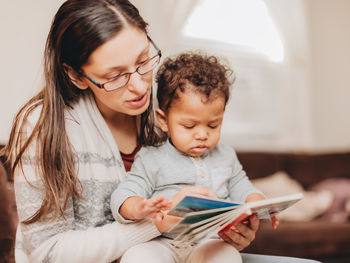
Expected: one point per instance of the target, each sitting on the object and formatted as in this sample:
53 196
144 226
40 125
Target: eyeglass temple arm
154 44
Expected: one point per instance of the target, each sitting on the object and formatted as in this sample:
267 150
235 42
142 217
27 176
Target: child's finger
157 200
148 206
158 216
165 204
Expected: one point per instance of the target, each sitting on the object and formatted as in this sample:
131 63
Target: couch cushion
307 169
308 239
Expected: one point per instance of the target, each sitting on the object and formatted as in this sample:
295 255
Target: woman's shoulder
29 116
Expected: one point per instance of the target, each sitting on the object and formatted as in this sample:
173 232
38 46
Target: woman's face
122 54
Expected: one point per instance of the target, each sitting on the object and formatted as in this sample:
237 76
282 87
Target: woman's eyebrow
120 68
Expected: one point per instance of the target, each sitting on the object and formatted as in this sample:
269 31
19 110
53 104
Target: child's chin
196 154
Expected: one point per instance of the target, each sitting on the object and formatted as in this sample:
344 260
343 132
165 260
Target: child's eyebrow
216 120
188 120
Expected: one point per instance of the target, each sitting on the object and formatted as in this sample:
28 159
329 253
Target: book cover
202 216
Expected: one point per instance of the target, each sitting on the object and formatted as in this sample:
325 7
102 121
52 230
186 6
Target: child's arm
136 207
257 197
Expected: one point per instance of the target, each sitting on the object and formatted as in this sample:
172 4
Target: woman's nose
136 84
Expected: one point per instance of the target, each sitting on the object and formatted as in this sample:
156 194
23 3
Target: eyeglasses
121 80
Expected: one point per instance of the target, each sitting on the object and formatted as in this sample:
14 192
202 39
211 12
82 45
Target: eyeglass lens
122 80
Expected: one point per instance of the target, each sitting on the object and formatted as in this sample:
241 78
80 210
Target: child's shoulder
152 151
223 149
224 154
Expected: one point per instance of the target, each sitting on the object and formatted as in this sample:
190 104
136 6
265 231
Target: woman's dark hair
199 73
79 27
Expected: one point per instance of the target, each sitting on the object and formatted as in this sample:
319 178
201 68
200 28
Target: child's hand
152 207
257 197
165 223
192 190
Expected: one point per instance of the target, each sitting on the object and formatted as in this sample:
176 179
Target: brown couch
8 218
318 239
322 240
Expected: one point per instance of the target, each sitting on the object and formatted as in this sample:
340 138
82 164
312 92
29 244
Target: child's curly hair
204 74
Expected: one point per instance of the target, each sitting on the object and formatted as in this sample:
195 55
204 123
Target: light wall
23 28
329 24
315 107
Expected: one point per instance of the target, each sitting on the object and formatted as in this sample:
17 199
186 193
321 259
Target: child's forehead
193 92
194 103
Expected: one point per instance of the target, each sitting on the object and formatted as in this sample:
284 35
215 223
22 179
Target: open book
202 216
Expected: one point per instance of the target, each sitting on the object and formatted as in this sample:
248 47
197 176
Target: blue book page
192 203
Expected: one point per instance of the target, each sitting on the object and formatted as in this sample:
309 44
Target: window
237 22
243 33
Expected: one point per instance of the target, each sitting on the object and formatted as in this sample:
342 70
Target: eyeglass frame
101 85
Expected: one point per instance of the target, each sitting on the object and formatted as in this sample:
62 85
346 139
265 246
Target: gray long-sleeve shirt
165 170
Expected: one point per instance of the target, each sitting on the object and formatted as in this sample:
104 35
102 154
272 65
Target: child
192 94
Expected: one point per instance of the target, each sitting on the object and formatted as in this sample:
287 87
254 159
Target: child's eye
188 126
212 126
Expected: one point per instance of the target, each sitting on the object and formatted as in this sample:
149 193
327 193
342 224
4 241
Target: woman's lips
138 102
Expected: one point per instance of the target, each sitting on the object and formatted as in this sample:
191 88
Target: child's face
194 123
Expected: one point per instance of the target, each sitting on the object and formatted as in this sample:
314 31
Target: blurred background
291 58
287 117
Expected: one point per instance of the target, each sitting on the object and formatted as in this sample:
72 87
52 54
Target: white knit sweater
89 233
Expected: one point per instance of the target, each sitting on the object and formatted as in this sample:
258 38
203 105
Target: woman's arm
60 241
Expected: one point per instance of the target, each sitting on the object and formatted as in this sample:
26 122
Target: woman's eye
143 61
112 77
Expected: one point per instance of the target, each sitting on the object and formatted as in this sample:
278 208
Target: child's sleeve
138 182
239 185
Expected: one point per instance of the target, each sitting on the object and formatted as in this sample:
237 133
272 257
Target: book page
206 215
193 203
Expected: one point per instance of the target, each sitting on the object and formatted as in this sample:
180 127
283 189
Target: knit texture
88 233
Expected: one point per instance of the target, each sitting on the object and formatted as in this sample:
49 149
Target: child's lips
199 149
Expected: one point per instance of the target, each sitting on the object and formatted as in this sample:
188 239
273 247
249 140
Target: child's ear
162 120
75 77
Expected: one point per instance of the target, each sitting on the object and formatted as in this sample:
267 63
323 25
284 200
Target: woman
70 144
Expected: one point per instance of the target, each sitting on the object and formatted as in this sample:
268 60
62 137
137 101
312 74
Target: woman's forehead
121 51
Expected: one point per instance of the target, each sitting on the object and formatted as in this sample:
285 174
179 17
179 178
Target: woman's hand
275 220
242 234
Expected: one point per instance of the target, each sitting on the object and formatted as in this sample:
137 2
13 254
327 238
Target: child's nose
201 134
